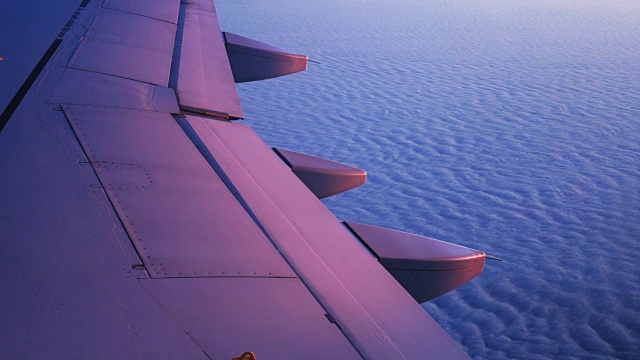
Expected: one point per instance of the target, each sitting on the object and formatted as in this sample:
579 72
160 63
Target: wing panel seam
177 49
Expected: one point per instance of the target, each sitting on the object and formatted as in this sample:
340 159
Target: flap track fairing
253 60
323 177
425 267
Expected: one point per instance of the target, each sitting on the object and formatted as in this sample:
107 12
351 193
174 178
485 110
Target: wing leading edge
142 224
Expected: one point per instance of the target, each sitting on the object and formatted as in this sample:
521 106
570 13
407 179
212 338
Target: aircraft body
140 220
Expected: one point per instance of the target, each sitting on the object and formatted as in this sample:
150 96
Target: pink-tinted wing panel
127 45
78 87
165 10
274 318
182 219
68 270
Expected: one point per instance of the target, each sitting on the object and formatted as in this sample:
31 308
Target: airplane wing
137 220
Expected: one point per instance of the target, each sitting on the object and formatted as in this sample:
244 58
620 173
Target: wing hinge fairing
323 177
425 267
253 60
